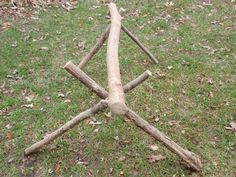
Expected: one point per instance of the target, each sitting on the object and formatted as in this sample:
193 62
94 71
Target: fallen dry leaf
47 98
95 123
14 75
44 48
122 158
169 4
232 127
108 115
160 74
5 26
185 63
57 168
124 142
211 94
4 112
153 147
210 81
10 160
82 162
172 123
8 126
111 170
155 158
96 130
30 97
50 171
81 45
69 5
61 95
121 173
9 135
27 106
169 67
67 101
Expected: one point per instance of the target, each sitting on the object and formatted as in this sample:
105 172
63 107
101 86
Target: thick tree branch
151 56
116 96
96 47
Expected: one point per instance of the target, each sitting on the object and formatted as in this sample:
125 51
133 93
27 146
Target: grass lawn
191 96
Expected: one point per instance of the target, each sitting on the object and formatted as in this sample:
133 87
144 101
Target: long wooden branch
52 136
96 47
191 160
135 39
129 86
85 79
116 99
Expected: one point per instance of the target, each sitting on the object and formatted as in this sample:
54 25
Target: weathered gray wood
135 39
52 136
96 47
116 101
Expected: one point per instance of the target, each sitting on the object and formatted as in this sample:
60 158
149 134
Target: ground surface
191 96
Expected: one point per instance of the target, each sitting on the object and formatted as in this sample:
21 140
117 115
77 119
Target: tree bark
137 81
85 79
116 99
151 56
190 159
96 47
82 116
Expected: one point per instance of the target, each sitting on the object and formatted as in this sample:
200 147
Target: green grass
199 43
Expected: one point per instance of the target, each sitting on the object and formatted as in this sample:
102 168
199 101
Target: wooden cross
115 98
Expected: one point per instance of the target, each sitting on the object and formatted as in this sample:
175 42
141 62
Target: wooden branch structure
87 81
191 160
116 101
96 47
115 97
135 39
